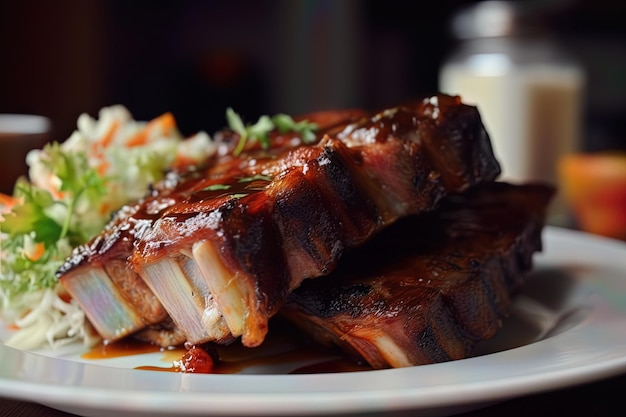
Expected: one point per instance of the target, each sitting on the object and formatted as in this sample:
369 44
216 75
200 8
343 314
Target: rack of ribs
428 288
216 249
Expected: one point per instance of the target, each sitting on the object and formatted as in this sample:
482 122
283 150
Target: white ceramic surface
568 327
23 124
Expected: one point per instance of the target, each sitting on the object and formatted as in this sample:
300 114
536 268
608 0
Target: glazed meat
218 249
428 288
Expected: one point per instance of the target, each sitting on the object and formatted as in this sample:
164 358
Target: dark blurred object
196 58
191 58
19 133
595 30
53 60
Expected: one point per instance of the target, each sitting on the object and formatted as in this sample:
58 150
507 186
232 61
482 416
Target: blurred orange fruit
594 187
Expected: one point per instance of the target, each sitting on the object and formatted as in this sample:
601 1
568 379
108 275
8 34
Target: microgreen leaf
255 178
235 122
284 122
306 130
261 129
216 187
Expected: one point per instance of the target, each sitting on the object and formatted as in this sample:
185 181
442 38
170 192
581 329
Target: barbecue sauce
125 347
282 351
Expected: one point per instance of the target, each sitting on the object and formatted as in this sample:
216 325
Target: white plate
567 328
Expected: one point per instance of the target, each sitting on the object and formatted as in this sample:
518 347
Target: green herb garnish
216 187
261 129
257 177
42 219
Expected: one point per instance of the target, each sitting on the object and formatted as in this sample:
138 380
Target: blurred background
549 76
195 58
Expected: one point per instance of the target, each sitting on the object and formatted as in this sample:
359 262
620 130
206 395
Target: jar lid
489 19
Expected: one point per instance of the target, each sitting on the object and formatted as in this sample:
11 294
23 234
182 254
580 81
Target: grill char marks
428 288
221 247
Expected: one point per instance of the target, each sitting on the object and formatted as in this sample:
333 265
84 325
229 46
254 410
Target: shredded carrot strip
165 122
183 161
105 208
139 139
7 202
13 326
108 137
37 252
103 167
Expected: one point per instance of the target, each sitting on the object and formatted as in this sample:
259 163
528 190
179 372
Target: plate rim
309 394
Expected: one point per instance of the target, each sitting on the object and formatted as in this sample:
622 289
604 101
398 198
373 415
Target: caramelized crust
226 243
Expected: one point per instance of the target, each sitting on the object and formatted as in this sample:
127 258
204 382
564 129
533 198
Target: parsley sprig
52 221
261 129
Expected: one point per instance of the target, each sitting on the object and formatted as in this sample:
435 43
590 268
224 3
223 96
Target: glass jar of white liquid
528 92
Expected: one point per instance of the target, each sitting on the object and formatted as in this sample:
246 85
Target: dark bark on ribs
235 254
428 288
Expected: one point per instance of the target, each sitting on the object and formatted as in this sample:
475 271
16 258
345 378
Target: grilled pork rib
218 249
428 288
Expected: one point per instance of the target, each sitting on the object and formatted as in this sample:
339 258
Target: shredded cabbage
71 191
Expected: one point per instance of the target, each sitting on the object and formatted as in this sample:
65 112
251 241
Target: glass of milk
529 92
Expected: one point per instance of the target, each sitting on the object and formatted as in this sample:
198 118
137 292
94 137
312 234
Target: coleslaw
71 191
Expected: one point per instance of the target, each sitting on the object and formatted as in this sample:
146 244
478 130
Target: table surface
601 398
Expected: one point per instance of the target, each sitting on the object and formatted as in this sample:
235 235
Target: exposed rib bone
185 302
211 319
109 311
223 285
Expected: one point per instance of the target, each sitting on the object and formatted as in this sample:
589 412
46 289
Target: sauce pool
282 353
